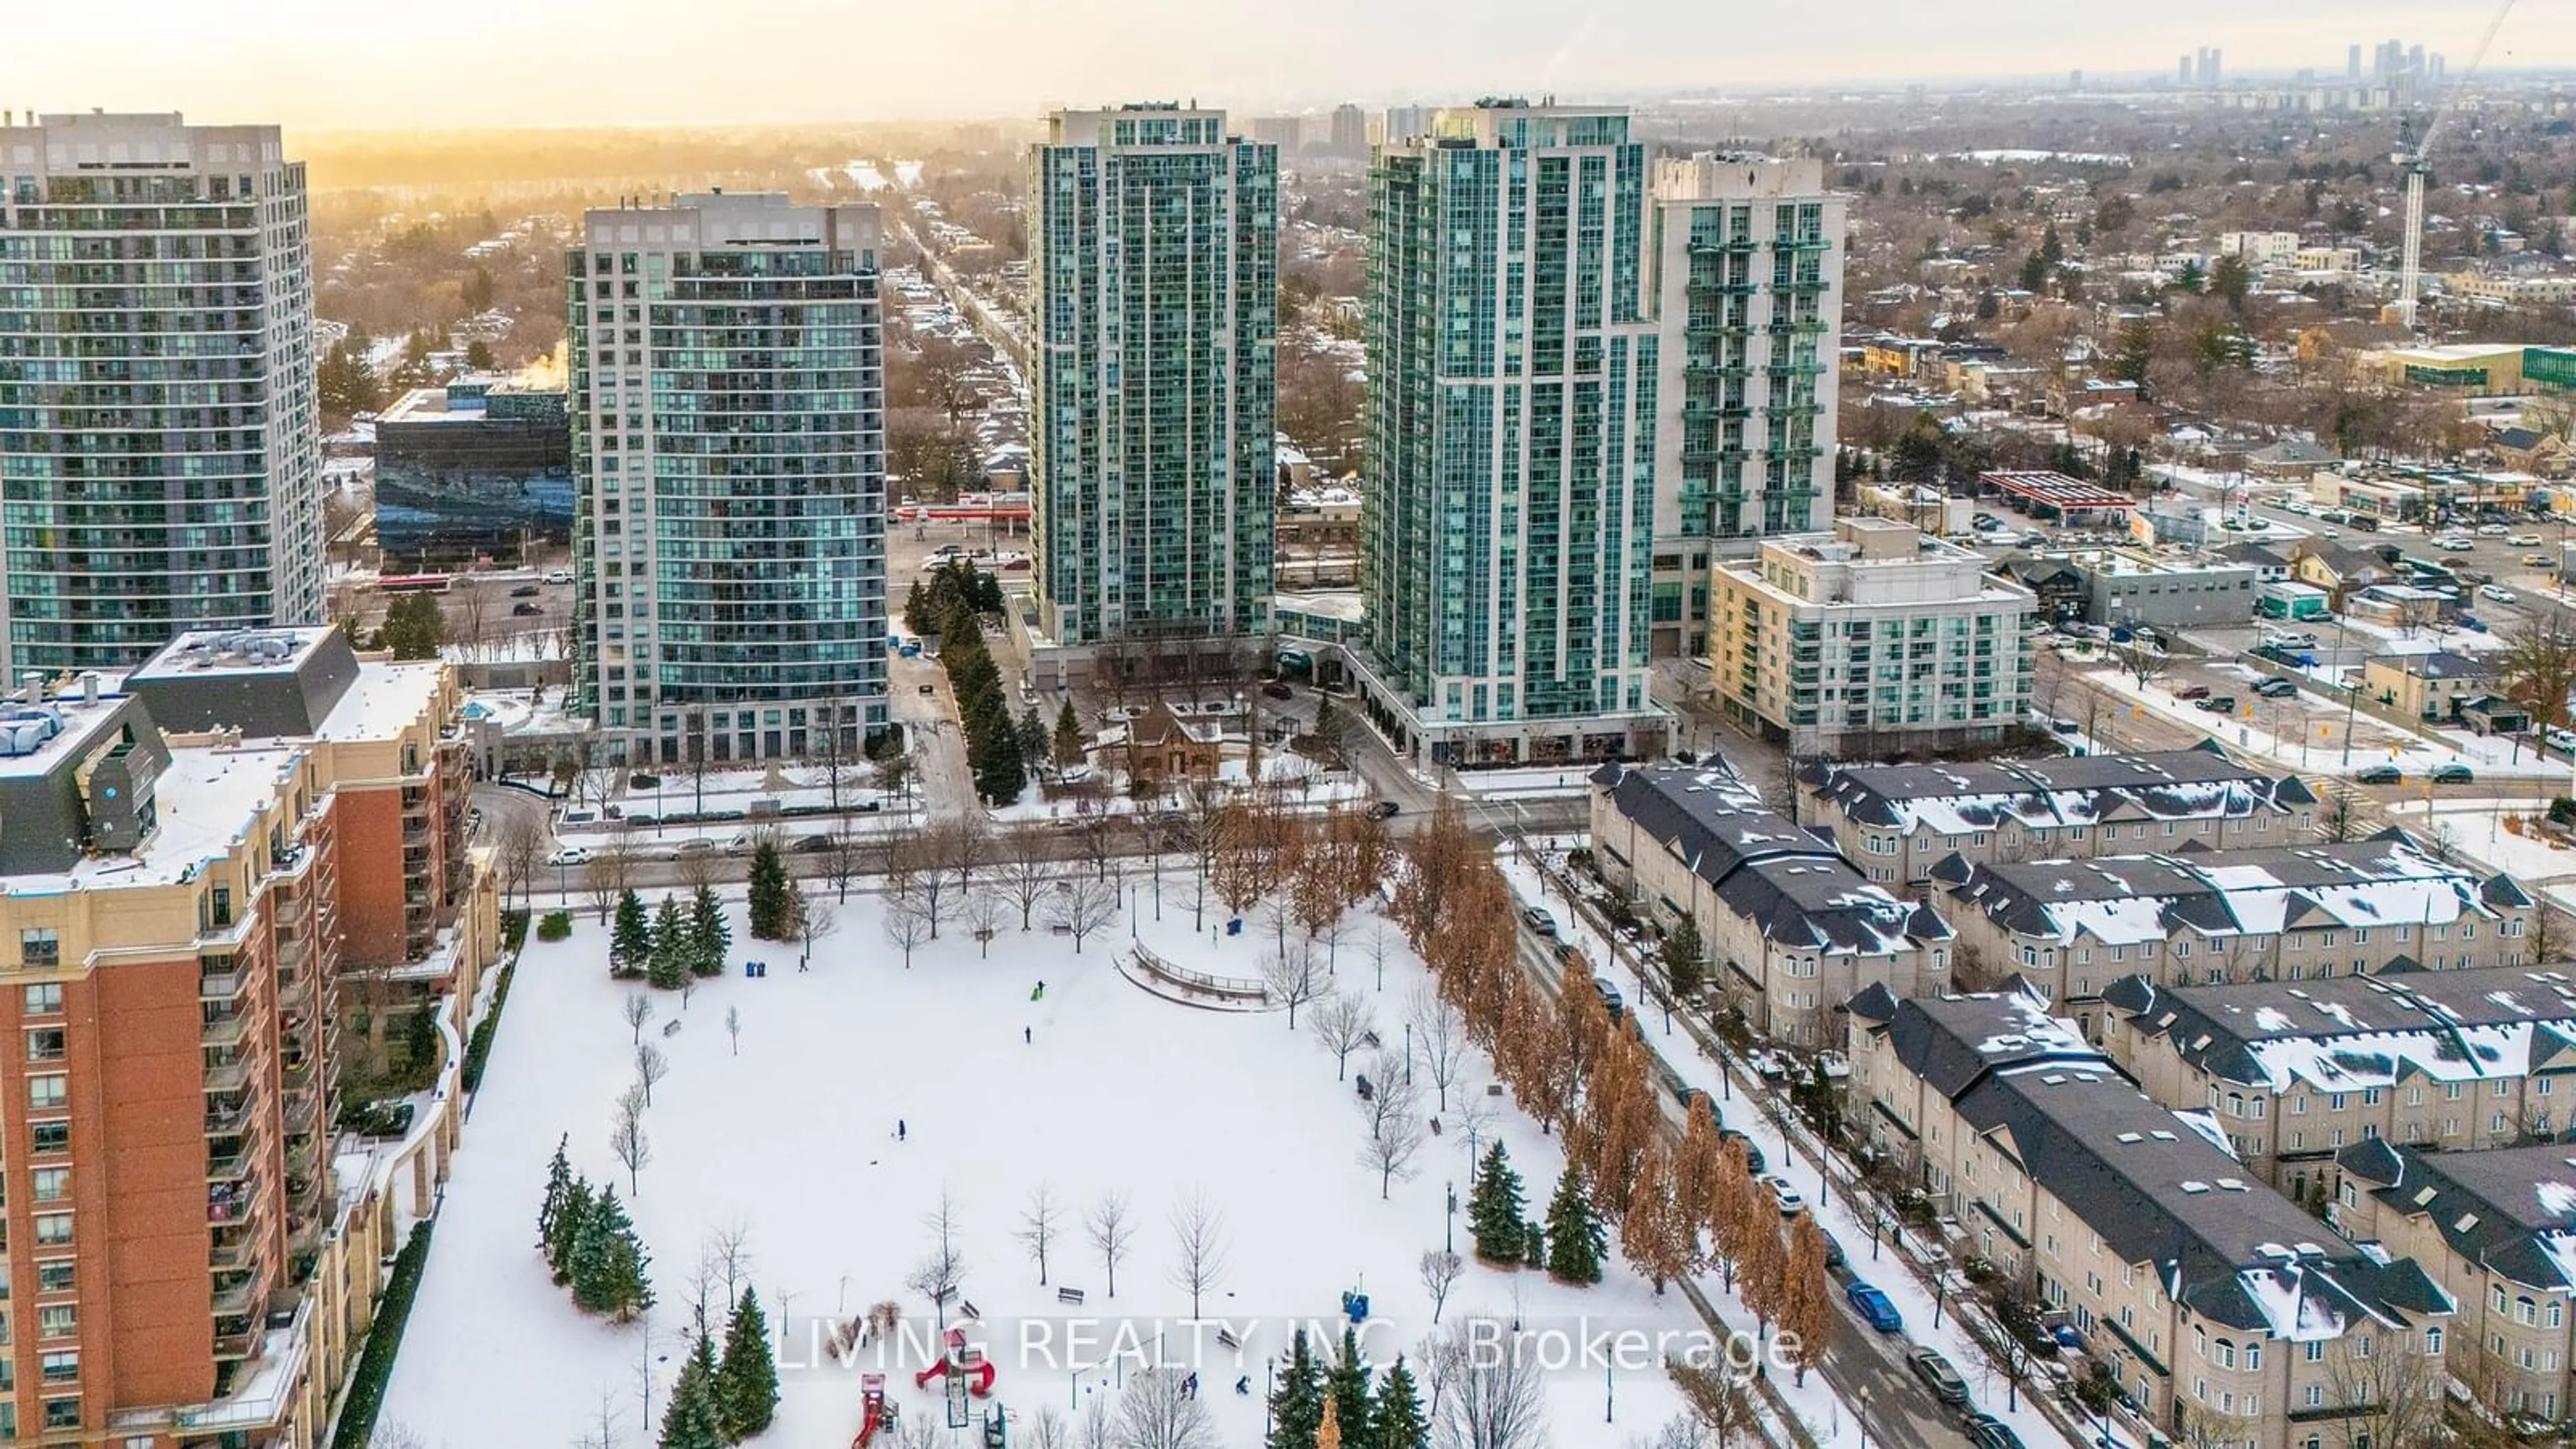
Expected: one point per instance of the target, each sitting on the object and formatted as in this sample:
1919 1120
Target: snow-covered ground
1111 1090
2375 741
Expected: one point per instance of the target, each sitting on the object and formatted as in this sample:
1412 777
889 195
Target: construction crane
2414 156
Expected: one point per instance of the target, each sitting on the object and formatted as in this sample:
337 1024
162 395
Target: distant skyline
318 65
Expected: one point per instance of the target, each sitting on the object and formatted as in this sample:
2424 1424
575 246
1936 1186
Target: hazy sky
327 63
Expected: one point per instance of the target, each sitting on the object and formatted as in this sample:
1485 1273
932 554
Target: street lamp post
1449 1225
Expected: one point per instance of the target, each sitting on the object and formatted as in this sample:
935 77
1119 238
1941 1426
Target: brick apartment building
2228 1313
2295 1071
2070 928
185 1266
1899 821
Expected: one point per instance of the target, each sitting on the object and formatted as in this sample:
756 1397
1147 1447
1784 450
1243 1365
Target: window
51 1136
2433 1340
55 1277
2316 1399
53 1184
48 1093
62 1367
2253 1356
53 1229
62 1413
2314 1351
38 946
45 1044
58 1320
45 1000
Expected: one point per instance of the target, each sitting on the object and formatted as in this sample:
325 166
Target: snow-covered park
860 1094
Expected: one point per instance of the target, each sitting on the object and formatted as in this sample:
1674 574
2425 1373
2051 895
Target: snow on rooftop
206 800
2291 1303
385 700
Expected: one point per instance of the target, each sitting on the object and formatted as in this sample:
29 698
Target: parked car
1875 1308
2454 773
1752 1153
2290 638
1988 1432
1938 1376
2380 775
1835 1257
2536 560
2276 689
2492 530
1538 920
2453 543
682 850
1277 690
2496 592
2524 540
557 576
526 591
2192 691
1786 1195
810 845
1610 997
2216 704
568 855
2563 738
525 610
1384 810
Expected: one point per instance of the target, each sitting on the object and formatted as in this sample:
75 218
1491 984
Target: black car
2380 775
1939 1377
2216 704
810 845
2276 689
1988 1432
526 591
1384 810
1752 1153
1276 690
524 610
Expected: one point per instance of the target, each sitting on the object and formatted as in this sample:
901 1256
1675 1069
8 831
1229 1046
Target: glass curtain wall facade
728 454
160 448
1154 289
1513 369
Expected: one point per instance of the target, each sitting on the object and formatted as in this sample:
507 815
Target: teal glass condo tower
728 458
1153 274
1513 368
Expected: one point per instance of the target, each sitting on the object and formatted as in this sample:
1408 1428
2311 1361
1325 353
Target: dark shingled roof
2506 1021
2511 1210
2154 1183
2080 790
1764 867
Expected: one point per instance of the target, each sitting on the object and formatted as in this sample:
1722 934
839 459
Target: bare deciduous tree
1111 1231
637 1009
943 1266
1294 977
520 848
1024 873
650 1067
1486 1391
845 859
606 874
626 1138
1392 1113
1341 1025
1440 1040
906 924
1199 1250
1038 1224
1082 906
1440 1269
2387 1389
733 1027
985 911
1158 1411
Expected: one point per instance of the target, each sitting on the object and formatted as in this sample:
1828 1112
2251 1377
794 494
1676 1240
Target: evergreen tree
563 1234
691 1420
1574 1238
1068 742
1533 1246
667 966
770 911
1683 967
609 1262
1395 1420
1494 1208
630 940
558 1188
1347 1383
747 1381
916 609
709 936
1297 1403
1033 735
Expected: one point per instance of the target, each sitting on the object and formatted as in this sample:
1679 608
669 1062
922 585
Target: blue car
1873 1305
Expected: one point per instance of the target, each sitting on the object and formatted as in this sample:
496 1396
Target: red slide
868 1427
922 1379
981 1373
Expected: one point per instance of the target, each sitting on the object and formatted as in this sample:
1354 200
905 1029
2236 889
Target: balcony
240 1344
227 1121
228 1257
220 985
227 1077
230 1204
238 1298
232 1167
223 1031
301 1109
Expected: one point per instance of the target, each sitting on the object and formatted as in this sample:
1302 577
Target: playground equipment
994 1432
962 1360
874 1411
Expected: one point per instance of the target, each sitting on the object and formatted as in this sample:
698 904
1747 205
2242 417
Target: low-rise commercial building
2428 686
2130 586
1789 927
2072 927
2228 1313
1899 821
2497 1230
2296 1069
1870 640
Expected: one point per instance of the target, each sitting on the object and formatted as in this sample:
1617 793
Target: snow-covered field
1110 1090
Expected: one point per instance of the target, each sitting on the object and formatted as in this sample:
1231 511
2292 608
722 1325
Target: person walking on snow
898 1129
1024 1034
1039 994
